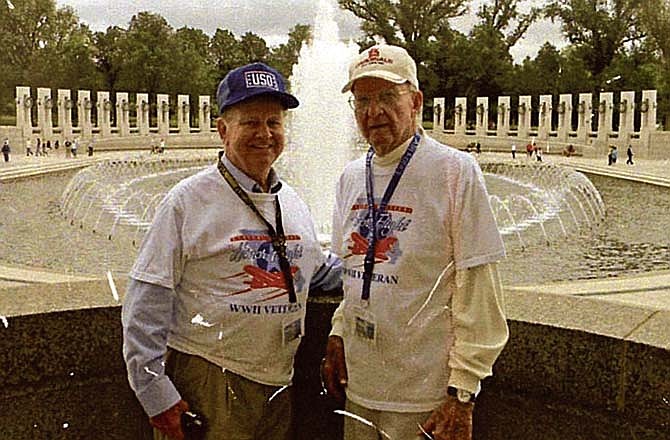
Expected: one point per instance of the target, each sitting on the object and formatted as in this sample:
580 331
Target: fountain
532 203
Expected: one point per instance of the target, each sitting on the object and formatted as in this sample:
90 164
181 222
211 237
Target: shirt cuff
159 396
463 380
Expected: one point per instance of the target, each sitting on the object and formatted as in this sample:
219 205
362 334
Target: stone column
24 111
626 115
44 118
605 116
104 114
460 115
183 113
504 108
648 111
564 111
482 114
204 114
65 105
163 109
584 113
524 116
544 117
84 112
143 113
123 113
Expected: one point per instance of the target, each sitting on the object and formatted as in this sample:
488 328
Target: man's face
253 135
385 112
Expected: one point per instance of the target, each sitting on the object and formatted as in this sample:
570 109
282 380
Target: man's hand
169 421
451 421
334 368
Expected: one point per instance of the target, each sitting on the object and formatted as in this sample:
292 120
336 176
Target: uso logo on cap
257 78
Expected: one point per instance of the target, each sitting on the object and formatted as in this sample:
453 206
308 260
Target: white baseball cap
391 63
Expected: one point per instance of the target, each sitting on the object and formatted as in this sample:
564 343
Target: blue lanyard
374 214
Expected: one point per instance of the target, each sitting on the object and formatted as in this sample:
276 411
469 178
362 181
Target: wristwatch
463 396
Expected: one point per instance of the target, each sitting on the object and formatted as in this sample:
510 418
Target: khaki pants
234 407
396 426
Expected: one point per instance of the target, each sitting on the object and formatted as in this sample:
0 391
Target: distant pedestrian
68 147
29 148
161 148
529 149
89 148
513 151
615 154
74 147
538 153
56 145
38 147
6 149
478 147
46 147
629 152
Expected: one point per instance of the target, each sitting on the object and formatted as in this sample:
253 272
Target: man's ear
418 100
221 128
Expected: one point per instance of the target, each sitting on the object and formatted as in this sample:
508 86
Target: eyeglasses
385 99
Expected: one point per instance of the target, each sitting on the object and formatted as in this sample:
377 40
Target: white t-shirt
231 304
440 221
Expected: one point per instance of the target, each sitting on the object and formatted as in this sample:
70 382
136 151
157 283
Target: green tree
191 68
598 29
284 56
148 54
226 52
655 17
408 23
109 54
254 48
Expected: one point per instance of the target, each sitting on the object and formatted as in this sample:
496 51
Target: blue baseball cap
253 80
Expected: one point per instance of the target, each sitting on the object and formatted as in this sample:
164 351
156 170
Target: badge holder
292 329
365 325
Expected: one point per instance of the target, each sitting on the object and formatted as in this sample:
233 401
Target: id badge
292 329
365 325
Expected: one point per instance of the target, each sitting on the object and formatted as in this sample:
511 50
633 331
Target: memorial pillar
183 113
64 105
204 114
626 115
44 118
104 106
123 113
504 107
648 111
564 111
524 116
84 112
163 109
482 116
584 114
142 113
544 117
24 108
605 116
460 115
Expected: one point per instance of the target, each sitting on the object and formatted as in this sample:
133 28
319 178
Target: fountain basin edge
578 368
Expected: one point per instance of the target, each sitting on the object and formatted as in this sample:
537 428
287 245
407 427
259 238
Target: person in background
513 151
217 297
421 321
6 149
629 153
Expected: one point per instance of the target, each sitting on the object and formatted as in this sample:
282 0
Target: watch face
464 396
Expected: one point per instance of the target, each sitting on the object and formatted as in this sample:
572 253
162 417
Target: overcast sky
272 20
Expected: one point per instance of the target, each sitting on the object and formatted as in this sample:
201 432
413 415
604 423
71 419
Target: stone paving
652 289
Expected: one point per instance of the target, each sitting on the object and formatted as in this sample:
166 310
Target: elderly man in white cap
217 297
422 318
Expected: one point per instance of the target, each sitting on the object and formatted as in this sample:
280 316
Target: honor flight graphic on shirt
390 225
261 270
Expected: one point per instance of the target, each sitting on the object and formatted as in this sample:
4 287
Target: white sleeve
480 328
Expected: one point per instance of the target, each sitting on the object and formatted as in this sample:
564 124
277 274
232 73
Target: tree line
613 45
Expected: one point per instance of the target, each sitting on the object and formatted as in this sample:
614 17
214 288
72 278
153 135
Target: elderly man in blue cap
216 299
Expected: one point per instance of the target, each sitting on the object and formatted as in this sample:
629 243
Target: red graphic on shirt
262 278
382 247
